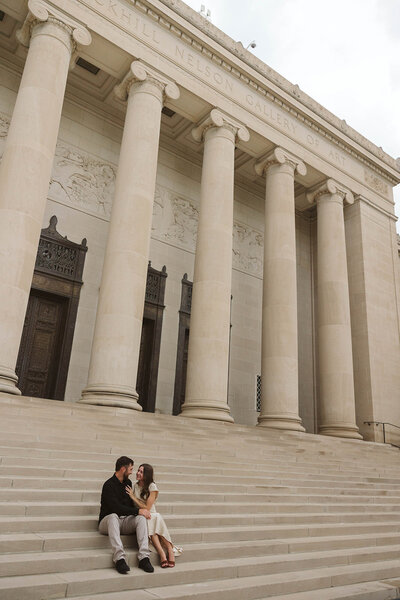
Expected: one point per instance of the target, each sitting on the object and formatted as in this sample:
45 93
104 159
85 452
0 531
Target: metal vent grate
81 62
168 112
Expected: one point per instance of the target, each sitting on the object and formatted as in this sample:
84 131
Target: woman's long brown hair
147 480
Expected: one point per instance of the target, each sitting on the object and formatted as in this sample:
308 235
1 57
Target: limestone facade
148 132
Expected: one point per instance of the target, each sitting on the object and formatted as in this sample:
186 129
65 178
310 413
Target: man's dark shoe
122 567
146 565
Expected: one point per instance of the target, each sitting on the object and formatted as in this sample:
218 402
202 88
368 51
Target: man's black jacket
114 499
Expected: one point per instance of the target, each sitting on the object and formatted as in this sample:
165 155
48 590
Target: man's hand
145 513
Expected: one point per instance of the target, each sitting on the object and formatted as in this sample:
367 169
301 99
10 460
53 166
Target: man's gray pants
113 526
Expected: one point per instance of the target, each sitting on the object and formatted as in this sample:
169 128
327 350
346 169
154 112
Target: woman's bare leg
157 545
169 547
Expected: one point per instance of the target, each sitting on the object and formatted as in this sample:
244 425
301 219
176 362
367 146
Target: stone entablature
275 78
188 57
219 68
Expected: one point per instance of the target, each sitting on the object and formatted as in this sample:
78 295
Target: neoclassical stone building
135 131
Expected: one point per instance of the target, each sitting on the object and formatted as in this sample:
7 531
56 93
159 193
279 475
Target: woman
144 494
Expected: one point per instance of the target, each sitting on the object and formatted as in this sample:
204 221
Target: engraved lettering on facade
199 65
337 158
126 17
271 114
375 182
312 140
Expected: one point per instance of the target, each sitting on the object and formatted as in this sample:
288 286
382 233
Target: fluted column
116 343
279 353
26 168
208 353
336 384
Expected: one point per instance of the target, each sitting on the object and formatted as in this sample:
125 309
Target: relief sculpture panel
4 125
82 181
87 183
247 249
78 179
175 220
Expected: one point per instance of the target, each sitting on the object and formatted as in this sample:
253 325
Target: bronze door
184 368
41 344
144 367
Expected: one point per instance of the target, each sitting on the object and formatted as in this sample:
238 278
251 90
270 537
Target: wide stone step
196 485
193 501
227 475
362 591
259 513
46 524
82 560
205 581
234 515
59 541
313 486
194 459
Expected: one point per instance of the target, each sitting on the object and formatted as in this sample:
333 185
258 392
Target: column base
8 381
281 422
122 397
342 431
212 412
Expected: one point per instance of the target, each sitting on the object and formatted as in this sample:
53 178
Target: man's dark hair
123 461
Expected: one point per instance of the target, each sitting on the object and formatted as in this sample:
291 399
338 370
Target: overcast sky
344 54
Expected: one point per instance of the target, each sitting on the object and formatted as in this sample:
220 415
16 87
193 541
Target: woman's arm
141 503
151 499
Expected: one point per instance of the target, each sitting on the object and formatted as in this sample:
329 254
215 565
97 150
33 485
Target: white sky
344 54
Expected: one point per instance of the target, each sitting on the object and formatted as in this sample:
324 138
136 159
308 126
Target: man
119 514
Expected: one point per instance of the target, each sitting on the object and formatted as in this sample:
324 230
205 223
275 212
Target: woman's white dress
156 525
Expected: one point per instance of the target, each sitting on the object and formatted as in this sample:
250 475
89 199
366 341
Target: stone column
26 168
116 342
208 354
279 354
336 384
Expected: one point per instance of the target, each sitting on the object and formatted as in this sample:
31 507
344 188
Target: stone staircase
260 514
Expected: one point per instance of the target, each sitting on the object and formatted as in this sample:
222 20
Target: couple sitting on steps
126 509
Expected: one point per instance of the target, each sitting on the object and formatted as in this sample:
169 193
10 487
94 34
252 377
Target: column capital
41 11
330 187
279 156
140 72
216 118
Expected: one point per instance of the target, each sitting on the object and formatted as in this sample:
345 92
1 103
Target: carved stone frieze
185 219
247 249
175 220
82 181
78 179
4 125
87 183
